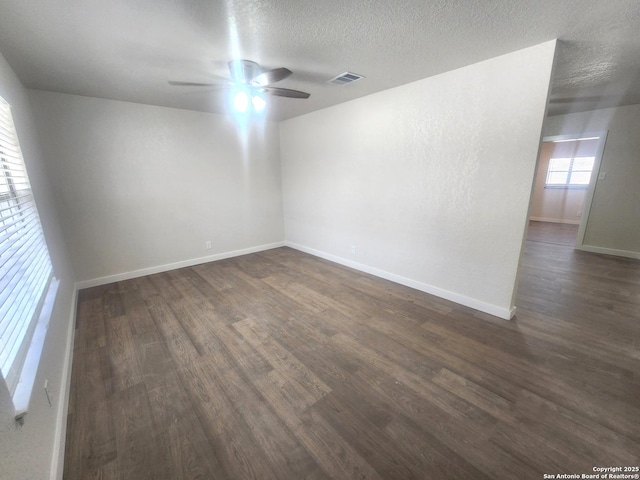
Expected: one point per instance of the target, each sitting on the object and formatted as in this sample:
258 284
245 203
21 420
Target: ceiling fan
250 83
575 99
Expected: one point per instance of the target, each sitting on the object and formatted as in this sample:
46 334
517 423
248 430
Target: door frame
595 173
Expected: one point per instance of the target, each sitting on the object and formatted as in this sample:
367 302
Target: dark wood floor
547 232
279 365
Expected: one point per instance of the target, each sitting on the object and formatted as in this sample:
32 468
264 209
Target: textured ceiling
128 49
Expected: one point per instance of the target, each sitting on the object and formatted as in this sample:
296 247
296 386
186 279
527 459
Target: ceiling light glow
241 102
259 103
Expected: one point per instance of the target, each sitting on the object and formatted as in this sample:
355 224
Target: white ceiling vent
345 78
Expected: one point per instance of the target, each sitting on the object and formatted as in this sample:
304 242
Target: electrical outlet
602 175
207 245
353 250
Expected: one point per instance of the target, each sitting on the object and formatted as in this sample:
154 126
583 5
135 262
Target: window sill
24 388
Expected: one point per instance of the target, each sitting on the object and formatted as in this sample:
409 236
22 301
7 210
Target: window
569 172
25 267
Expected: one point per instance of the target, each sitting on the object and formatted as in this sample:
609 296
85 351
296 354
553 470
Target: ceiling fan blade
272 76
575 100
194 84
285 92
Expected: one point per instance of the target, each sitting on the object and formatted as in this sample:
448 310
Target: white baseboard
59 441
495 310
555 220
609 251
172 266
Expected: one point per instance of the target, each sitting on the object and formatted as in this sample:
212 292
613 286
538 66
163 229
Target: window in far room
569 172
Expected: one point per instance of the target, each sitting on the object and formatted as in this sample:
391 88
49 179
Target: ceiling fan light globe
258 102
241 102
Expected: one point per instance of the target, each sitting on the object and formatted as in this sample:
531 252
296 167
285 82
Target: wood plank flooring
280 365
547 232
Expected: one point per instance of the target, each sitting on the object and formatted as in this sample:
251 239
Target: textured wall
143 186
614 220
26 452
430 181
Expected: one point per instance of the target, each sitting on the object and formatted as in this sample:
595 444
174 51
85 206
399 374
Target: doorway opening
567 170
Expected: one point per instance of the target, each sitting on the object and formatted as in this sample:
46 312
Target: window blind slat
20 200
8 203
17 270
12 310
21 322
14 187
4 123
11 200
7 229
29 278
15 305
10 184
10 243
18 318
12 175
15 247
14 168
10 156
10 149
6 140
13 251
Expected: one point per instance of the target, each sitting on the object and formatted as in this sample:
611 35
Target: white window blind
25 267
566 172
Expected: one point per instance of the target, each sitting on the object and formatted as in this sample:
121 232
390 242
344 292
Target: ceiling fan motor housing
242 71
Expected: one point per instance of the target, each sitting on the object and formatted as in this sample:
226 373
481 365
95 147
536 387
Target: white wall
143 187
430 181
613 226
31 451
